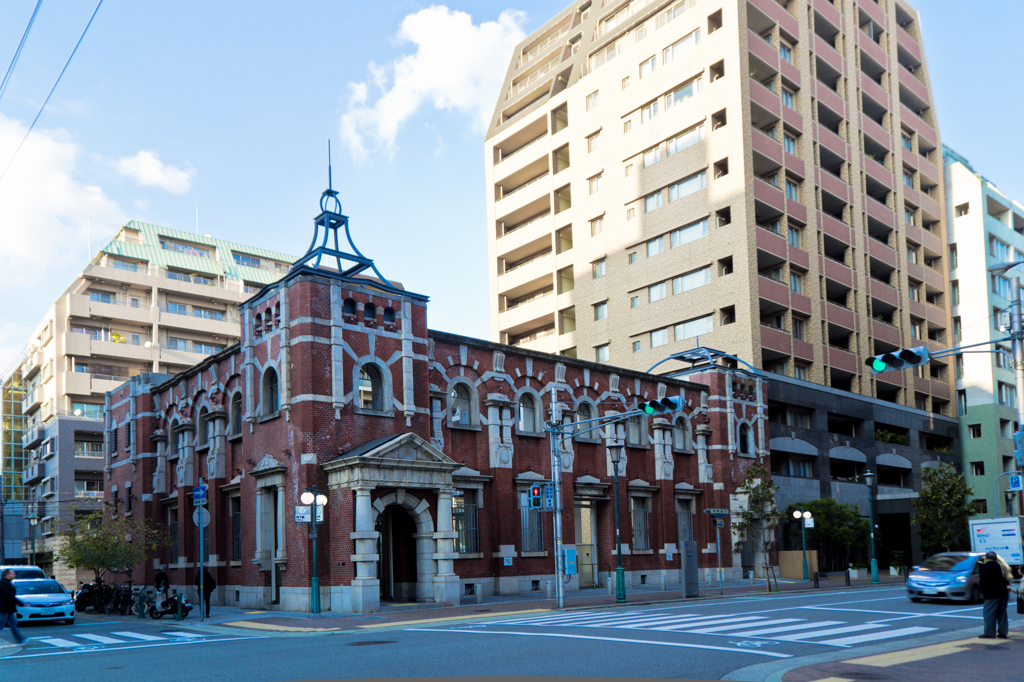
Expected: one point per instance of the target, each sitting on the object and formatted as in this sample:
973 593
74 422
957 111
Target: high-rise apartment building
763 175
152 300
985 228
12 461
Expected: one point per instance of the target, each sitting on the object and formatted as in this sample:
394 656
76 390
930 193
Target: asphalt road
743 638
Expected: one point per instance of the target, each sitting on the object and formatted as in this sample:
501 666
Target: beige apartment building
758 176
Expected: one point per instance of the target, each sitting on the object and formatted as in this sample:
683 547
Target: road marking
920 653
139 636
92 650
57 641
100 639
825 633
277 628
881 613
611 639
670 628
569 617
185 635
792 628
451 618
741 626
642 623
875 636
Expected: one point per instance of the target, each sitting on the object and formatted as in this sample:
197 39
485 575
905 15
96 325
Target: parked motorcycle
170 607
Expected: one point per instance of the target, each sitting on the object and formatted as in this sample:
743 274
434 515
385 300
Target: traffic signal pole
556 476
1017 334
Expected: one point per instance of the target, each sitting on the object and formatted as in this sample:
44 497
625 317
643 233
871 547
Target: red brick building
424 444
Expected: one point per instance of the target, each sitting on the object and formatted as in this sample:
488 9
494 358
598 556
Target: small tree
838 527
942 509
101 543
762 516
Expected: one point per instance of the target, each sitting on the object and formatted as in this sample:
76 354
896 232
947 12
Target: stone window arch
745 442
205 427
586 410
389 315
462 404
370 312
236 414
529 412
175 441
681 437
270 394
257 325
371 388
348 307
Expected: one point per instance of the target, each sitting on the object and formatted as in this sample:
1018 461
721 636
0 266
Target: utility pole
1017 343
556 476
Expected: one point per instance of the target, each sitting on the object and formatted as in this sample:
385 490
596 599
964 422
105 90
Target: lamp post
802 516
32 521
615 452
315 499
869 478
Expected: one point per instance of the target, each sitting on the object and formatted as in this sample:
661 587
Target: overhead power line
45 102
17 53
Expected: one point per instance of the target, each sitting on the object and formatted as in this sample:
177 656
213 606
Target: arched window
277 314
270 393
371 388
236 414
257 325
461 405
745 445
527 413
205 427
633 431
584 412
681 435
389 315
349 307
175 435
370 312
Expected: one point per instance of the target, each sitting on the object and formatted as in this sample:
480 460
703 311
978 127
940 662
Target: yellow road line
439 620
279 628
833 679
922 653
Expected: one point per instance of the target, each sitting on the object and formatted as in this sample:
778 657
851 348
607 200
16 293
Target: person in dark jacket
209 585
161 583
993 584
9 604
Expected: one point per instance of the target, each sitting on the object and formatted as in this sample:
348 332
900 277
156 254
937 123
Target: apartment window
641 32
798 329
88 488
648 112
786 52
86 409
911 254
954 293
688 330
630 213
625 82
1000 251
659 338
769 83
689 233
600 311
1007 395
652 201
592 100
905 139
974 430
648 65
787 98
692 280
1000 286
464 522
601 353
952 257
908 179
236 528
908 217
687 186
655 246
595 184
800 372
594 142
627 126
640 509
1003 360
915 330
962 209
596 226
977 468
789 143
796 282
656 292
791 191
598 268
632 257
680 47
177 309
794 237
100 297
249 261
687 138
652 156
206 348
634 302
629 170
775 226
636 346
914 291
683 92
177 344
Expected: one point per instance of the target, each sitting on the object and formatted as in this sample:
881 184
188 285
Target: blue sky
228 106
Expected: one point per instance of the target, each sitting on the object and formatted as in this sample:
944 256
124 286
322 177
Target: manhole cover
372 642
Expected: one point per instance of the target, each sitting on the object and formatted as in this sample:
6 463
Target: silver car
950 575
22 572
45 600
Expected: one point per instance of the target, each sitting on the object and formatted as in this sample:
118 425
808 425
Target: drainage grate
372 642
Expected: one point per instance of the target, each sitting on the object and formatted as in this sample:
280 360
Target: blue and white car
951 575
45 600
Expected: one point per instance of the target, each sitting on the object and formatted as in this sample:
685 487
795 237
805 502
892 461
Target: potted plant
117 338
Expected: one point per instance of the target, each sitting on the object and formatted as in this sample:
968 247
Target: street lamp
801 516
869 478
615 452
317 499
32 521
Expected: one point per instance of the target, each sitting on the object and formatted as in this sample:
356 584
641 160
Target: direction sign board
199 495
717 513
719 522
303 514
809 522
201 517
1016 482
549 497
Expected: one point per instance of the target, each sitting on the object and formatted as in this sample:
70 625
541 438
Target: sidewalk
394 614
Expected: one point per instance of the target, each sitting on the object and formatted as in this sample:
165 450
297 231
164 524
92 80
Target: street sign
199 495
549 497
719 523
1016 482
303 514
717 513
201 517
809 522
508 560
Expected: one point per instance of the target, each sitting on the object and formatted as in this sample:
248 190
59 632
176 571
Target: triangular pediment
407 447
266 465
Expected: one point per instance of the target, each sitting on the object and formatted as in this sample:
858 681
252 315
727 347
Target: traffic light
1018 451
664 405
536 497
888 362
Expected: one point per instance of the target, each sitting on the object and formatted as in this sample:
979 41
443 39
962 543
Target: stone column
160 474
215 455
446 582
364 593
186 441
281 550
705 474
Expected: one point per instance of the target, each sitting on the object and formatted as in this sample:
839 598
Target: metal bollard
178 616
847 577
751 576
548 587
479 589
664 582
611 585
815 579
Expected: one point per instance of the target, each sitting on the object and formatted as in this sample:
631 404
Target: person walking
209 585
994 588
9 604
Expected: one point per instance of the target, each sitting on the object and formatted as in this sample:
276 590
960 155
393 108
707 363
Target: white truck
1002 536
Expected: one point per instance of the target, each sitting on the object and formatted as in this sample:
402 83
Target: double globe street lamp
315 499
803 516
615 453
869 479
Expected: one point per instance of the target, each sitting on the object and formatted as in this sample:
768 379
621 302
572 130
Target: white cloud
146 169
458 66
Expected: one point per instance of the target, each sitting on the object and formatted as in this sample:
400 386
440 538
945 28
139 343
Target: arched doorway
396 567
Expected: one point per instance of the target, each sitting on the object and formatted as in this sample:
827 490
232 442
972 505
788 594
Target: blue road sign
1016 482
549 496
199 494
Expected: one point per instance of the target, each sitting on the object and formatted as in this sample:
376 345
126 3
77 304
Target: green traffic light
878 365
648 409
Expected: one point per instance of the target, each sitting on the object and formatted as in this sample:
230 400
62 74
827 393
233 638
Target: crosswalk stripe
665 621
570 618
100 639
741 626
789 628
635 622
58 642
833 631
184 635
720 621
875 636
139 636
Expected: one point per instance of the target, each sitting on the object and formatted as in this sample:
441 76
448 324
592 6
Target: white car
45 600
22 572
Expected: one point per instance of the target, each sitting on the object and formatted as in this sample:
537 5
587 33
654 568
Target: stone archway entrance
405 564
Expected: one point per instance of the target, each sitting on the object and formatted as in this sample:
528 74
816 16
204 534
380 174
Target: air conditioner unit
911 69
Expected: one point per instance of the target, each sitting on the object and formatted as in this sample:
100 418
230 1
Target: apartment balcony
800 303
827 53
909 159
915 271
202 285
77 344
33 473
875 12
837 314
873 50
803 350
527 214
930 207
776 340
836 271
835 228
883 292
922 384
32 400
876 132
886 332
32 437
940 389
917 309
759 46
769 194
882 252
936 346
101 383
767 146
774 244
764 97
789 71
792 119
936 315
926 167
528 313
904 40
176 357
773 291
877 171
834 185
778 14
796 211
201 322
934 278
879 211
913 233
543 47
526 156
875 91
911 83
80 305
141 275
795 165
33 363
831 99
531 327
126 351
832 142
931 241
799 257
844 360
77 383
914 122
